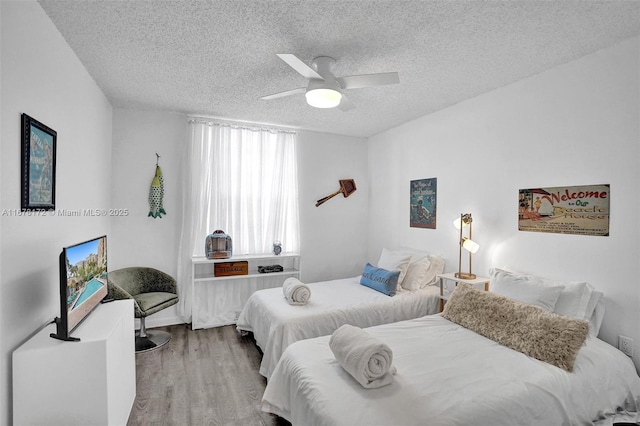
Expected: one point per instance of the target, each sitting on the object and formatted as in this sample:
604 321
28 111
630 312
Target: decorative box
218 245
226 269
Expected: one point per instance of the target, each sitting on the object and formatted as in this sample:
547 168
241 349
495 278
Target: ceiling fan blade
285 93
345 104
368 80
294 62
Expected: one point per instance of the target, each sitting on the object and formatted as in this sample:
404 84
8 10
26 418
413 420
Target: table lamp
467 243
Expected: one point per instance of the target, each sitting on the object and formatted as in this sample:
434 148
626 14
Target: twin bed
446 371
448 375
276 324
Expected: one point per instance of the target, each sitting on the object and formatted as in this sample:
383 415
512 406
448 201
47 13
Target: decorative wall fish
156 194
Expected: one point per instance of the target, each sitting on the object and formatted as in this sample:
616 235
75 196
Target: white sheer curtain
242 180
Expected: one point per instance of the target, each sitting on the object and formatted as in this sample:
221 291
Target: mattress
448 375
276 324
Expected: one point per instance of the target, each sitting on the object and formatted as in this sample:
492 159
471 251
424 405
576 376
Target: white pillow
417 272
574 300
395 260
436 268
597 303
524 288
423 269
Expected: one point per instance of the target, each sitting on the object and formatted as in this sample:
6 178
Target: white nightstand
452 277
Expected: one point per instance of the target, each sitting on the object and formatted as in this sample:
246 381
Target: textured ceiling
216 58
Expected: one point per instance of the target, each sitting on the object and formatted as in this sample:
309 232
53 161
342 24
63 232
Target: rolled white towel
296 292
363 356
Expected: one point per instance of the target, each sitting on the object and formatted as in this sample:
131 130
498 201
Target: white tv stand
92 381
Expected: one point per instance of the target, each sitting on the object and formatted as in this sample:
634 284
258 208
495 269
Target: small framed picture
423 195
38 166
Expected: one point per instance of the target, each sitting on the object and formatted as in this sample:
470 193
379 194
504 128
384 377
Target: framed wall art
38 166
423 194
581 210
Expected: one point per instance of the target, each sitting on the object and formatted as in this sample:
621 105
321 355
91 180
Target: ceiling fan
325 90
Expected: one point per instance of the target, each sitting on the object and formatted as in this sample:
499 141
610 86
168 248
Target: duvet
448 375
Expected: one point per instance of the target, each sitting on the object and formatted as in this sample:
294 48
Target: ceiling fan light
323 98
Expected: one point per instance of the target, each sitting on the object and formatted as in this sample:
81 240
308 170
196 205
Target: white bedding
276 324
448 375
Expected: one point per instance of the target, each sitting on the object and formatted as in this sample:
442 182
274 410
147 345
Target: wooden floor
202 377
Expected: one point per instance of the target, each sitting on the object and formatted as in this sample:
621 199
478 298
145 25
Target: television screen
83 283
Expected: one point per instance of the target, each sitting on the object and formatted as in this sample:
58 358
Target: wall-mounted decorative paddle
347 187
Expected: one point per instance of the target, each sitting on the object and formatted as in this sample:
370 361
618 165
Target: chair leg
149 340
143 327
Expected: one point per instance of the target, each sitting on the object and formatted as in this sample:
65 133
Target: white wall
333 236
576 124
42 77
138 239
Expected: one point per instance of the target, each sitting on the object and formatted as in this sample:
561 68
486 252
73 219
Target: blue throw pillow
380 279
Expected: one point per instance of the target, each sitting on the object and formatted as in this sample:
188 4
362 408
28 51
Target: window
241 180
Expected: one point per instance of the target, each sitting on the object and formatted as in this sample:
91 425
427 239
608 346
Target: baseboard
214 324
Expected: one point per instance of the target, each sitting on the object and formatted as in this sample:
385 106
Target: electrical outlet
625 344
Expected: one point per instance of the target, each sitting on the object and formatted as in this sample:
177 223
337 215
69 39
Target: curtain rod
254 127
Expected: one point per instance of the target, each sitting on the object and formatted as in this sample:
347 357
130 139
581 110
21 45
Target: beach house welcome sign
582 210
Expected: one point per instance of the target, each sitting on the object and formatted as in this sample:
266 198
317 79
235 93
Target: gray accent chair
151 291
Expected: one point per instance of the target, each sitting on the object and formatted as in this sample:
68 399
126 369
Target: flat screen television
83 284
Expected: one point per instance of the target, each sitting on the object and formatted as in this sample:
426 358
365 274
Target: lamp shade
470 245
323 98
462 221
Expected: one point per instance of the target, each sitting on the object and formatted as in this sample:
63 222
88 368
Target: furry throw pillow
525 328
